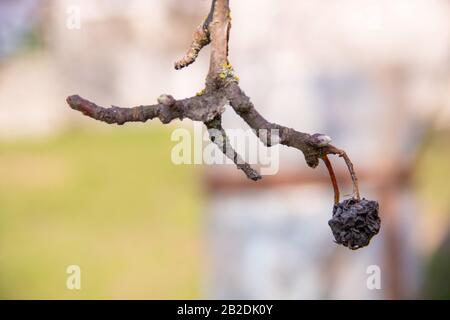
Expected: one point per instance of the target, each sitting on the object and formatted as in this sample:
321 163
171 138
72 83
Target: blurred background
374 75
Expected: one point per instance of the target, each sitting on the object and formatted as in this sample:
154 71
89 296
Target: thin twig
200 40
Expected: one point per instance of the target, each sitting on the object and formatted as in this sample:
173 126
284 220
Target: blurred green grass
110 201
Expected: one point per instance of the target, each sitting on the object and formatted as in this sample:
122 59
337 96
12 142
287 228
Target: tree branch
220 33
313 150
221 88
201 38
199 108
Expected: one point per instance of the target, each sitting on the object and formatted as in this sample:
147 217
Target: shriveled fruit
355 222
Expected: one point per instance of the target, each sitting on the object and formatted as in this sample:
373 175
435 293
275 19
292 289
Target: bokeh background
374 75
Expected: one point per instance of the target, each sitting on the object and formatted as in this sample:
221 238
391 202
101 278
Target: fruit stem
333 178
349 164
